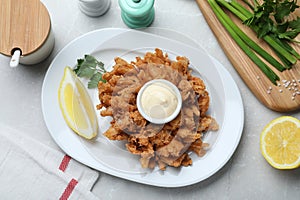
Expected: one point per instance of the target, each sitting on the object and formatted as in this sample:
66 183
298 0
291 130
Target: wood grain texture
278 98
24 24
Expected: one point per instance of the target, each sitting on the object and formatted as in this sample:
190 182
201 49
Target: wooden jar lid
24 24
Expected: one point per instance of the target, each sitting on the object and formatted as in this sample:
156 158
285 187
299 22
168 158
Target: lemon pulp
76 105
280 143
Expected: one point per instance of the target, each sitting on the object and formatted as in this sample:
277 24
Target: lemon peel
280 142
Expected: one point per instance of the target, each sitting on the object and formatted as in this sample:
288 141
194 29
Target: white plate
111 157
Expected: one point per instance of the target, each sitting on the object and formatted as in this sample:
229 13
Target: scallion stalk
251 43
224 20
243 14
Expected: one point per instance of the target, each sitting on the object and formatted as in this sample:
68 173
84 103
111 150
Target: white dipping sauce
158 100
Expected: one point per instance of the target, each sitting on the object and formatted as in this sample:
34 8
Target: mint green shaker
137 13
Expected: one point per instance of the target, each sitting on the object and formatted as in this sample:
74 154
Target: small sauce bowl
159 101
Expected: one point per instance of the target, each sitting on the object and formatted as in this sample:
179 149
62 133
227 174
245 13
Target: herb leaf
93 83
279 10
289 35
90 68
295 24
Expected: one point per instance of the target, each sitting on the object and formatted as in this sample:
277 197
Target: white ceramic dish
111 157
160 120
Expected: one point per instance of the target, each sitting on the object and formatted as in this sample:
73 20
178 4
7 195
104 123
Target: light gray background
246 176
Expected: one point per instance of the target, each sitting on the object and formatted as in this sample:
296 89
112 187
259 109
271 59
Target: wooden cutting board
282 98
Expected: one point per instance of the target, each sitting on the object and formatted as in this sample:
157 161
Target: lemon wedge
76 105
280 143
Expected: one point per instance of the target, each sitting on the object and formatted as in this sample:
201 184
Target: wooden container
25 25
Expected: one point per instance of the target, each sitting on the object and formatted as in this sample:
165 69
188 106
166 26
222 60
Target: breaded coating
159 145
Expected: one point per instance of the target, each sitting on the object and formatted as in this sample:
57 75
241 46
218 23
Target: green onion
234 32
285 50
251 43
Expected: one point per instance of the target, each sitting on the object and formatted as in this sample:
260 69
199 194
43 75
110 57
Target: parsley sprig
271 18
89 67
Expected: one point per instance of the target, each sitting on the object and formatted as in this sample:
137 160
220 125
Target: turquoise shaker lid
137 13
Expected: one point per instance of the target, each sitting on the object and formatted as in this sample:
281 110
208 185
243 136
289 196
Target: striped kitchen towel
32 170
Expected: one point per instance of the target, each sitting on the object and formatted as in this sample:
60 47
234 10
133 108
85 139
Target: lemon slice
280 143
76 105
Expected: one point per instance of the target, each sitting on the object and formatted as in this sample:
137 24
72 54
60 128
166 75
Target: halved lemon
280 142
76 105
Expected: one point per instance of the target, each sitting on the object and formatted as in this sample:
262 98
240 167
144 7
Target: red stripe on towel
69 189
64 163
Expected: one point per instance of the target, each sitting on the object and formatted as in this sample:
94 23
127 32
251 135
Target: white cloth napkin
32 170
